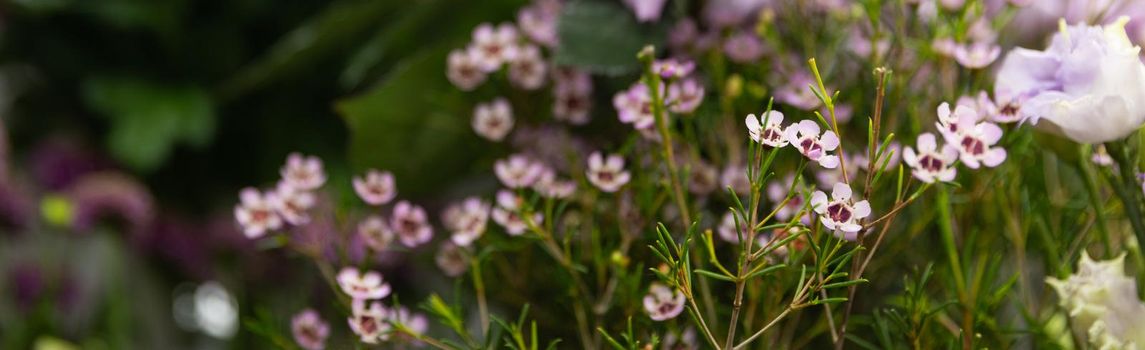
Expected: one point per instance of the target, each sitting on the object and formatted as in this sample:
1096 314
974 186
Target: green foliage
603 37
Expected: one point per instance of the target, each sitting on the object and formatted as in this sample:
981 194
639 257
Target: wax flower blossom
673 68
1102 301
309 330
291 203
362 286
464 71
370 322
493 46
805 137
376 187
507 213
663 303
743 47
646 10
493 120
466 220
528 69
572 94
976 55
256 214
451 259
549 186
303 172
839 213
375 233
410 224
634 106
767 129
975 141
607 174
518 171
685 96
539 21
931 163
1089 83
951 122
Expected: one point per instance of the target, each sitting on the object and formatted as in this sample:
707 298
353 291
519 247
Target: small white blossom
507 213
805 137
528 69
518 171
976 55
362 286
1102 301
410 224
930 163
291 203
767 129
549 186
607 174
493 120
256 214
467 220
663 303
376 233
975 141
839 213
376 187
493 46
369 322
303 172
685 96
464 71
451 259
309 330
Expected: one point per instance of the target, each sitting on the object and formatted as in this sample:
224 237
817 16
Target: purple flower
673 68
976 55
309 330
375 233
410 224
743 47
493 46
101 194
767 129
539 21
685 96
451 259
466 220
518 171
507 213
634 106
369 322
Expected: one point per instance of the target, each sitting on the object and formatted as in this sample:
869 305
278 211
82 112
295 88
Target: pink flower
767 129
805 137
507 213
931 164
451 259
493 46
607 175
634 106
974 142
743 47
493 120
539 21
303 172
291 204
376 188
375 233
684 96
464 71
466 220
663 303
735 176
528 69
572 95
255 213
984 107
839 213
646 10
550 187
518 171
309 330
369 323
962 117
673 68
976 55
415 322
410 224
683 34
362 286
795 92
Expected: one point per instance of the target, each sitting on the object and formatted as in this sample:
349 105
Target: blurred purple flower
100 195
743 47
646 10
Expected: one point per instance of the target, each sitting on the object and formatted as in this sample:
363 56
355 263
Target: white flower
369 323
931 164
303 172
451 259
467 220
493 46
375 233
376 188
964 116
1102 300
634 106
518 171
507 213
256 214
410 224
974 142
572 95
767 129
1089 83
550 187
805 137
539 21
362 286
976 55
685 96
607 174
663 303
527 70
309 330
493 120
464 71
839 213
292 203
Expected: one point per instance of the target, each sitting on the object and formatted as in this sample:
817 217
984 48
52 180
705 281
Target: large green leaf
148 119
603 37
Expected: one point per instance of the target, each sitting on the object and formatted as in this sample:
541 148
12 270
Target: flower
376 188
1089 83
415 322
805 137
256 214
291 203
466 220
528 69
964 116
607 174
931 164
572 96
493 46
944 46
518 171
777 192
1101 156
451 259
682 34
743 47
984 107
634 106
662 302
464 71
309 330
1102 301
493 120
673 68
974 142
796 93
646 10
369 323
976 55
410 224
507 213
362 286
303 172
767 129
550 187
539 21
684 96
839 213
375 233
